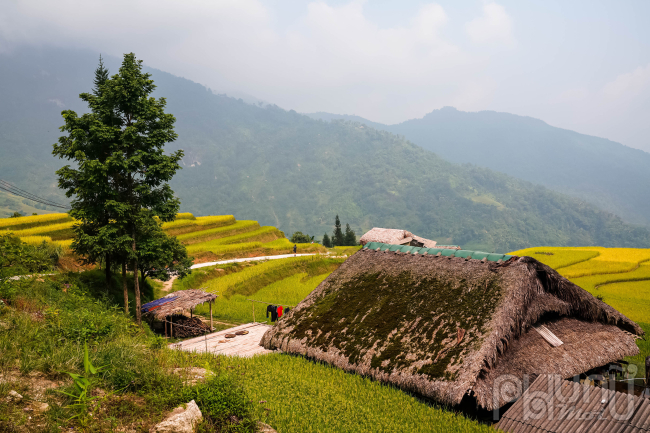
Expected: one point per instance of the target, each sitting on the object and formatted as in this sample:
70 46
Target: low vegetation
295 395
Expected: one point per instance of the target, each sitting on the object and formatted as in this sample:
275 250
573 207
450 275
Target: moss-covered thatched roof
446 327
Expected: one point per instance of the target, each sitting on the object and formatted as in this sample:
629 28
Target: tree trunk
108 272
136 287
126 290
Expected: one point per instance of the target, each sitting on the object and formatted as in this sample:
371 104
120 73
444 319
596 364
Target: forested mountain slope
612 176
285 169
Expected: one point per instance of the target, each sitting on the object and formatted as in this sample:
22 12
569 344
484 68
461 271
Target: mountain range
610 175
289 170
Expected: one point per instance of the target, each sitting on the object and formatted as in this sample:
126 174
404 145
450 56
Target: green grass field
304 397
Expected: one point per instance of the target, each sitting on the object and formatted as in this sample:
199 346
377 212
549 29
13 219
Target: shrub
17 258
224 404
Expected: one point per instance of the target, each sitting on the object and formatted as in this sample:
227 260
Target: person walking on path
295 248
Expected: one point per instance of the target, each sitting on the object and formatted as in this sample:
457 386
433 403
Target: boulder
181 420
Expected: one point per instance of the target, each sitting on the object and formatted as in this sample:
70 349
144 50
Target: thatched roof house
397 237
553 405
452 324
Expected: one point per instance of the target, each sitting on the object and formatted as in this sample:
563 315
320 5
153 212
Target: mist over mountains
289 170
610 175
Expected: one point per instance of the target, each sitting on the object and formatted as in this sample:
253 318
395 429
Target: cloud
329 58
629 85
495 26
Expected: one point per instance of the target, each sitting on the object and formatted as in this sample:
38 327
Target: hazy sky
581 65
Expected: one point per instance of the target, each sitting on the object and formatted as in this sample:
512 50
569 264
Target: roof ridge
439 251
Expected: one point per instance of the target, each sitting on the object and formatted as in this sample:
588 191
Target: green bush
224 404
18 258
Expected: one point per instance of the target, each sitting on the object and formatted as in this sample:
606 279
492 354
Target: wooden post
171 329
211 328
165 327
647 371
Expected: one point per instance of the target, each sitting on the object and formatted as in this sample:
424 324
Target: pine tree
120 169
101 75
326 241
337 238
350 236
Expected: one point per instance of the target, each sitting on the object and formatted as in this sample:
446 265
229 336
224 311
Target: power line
12 189
22 193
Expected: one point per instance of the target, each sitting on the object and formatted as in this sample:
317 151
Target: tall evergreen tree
337 238
121 169
101 76
90 142
350 236
326 241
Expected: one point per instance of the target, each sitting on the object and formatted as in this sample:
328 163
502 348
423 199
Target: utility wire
15 188
32 197
12 189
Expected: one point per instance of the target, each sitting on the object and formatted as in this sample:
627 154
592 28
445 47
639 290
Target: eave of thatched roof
440 326
185 300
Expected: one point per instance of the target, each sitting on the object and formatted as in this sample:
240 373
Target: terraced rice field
282 282
208 238
619 276
600 268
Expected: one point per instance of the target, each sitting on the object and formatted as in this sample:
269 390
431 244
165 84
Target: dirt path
167 285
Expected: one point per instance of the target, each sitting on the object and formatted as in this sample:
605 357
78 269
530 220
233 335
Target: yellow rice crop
262 234
635 255
223 249
597 267
558 257
631 298
285 244
35 240
185 216
178 223
216 220
590 283
218 232
223 220
45 230
34 220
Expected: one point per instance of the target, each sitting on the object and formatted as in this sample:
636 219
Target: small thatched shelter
177 303
453 324
397 237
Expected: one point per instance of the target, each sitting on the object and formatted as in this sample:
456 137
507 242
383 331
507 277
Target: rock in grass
14 396
180 420
265 428
40 407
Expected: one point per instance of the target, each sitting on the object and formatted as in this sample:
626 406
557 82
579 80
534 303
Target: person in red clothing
279 311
